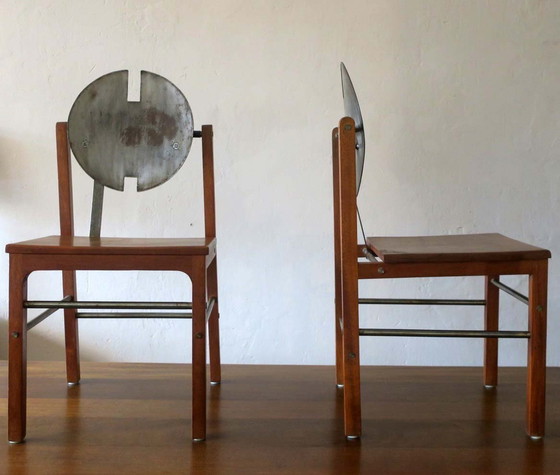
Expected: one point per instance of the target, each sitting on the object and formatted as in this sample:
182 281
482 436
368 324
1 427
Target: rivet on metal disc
539 308
198 335
380 270
15 334
175 146
85 143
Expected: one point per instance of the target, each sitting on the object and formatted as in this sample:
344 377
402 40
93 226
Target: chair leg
351 362
337 262
536 374
214 325
337 329
17 356
199 353
71 330
491 323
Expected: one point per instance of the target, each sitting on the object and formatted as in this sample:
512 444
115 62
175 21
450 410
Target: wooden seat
453 248
195 257
114 246
488 255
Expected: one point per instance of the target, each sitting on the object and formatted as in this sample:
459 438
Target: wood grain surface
453 248
135 419
111 245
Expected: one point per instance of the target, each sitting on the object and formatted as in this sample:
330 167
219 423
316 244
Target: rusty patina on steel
113 138
352 109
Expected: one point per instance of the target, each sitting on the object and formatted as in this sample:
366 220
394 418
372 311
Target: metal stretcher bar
421 302
107 305
133 315
510 291
444 333
47 313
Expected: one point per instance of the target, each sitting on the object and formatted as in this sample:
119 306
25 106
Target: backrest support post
208 181
64 180
347 186
96 210
336 203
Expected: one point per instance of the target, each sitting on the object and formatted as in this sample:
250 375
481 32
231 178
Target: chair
489 255
112 138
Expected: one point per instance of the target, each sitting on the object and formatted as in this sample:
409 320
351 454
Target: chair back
352 109
113 138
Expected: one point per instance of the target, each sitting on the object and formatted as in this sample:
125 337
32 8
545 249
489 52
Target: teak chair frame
349 269
195 257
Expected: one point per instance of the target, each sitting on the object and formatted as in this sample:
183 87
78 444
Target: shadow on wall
3 339
40 347
10 176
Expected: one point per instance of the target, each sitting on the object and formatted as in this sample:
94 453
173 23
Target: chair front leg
214 324
198 278
71 330
17 353
536 374
491 323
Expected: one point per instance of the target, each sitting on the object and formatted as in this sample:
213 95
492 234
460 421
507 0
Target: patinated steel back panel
352 109
113 138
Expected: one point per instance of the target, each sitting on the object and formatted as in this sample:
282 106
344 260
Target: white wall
461 105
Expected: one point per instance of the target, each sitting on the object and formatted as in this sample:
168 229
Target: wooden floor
135 419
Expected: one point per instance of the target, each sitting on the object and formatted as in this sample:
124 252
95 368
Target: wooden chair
195 257
489 255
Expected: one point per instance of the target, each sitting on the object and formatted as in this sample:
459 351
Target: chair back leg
491 323
214 324
337 264
71 330
349 276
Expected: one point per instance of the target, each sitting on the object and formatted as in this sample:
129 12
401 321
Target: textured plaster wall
462 110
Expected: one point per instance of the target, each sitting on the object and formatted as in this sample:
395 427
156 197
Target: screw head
15 334
539 308
347 127
380 270
352 355
198 335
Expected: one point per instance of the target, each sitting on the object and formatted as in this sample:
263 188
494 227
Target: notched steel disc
352 109
113 138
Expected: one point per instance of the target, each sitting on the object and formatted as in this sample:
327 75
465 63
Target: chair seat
113 246
453 248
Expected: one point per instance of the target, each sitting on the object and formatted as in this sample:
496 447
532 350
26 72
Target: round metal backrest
352 109
113 138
